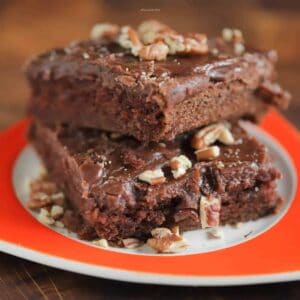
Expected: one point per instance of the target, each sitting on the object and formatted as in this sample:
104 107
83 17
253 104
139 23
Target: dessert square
120 188
152 84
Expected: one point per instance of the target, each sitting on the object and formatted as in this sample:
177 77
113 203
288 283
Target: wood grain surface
29 27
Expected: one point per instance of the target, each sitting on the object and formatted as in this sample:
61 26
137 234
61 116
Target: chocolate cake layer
101 176
98 84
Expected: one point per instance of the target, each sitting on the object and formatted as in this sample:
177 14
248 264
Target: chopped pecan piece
56 212
45 217
208 153
101 243
215 233
232 35
212 133
157 51
179 165
209 211
206 136
43 193
104 31
226 137
153 177
239 48
131 243
165 241
194 43
151 31
38 200
129 39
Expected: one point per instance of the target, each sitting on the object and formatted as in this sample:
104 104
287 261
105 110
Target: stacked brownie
141 129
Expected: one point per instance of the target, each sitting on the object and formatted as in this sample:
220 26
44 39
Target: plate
28 166
259 251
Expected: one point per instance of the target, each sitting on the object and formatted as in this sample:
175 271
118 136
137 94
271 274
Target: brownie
99 84
104 177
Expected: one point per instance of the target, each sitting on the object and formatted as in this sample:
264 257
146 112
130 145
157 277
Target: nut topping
45 217
153 41
153 177
44 193
215 233
196 43
43 185
39 200
179 165
227 34
206 136
56 212
58 198
59 224
239 48
212 133
101 243
131 243
226 137
165 241
161 232
152 31
104 31
232 35
193 43
209 211
157 51
46 196
208 153
235 36
129 39
175 43
175 230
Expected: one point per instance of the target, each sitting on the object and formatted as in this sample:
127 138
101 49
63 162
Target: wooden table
28 28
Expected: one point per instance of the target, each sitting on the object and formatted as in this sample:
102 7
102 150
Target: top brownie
153 84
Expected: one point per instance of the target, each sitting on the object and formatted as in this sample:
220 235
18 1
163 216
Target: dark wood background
28 27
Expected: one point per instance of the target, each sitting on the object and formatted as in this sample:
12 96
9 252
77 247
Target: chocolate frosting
174 78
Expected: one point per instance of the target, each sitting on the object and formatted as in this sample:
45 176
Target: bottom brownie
110 183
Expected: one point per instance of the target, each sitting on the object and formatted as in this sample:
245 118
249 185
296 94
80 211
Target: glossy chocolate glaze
100 85
189 71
